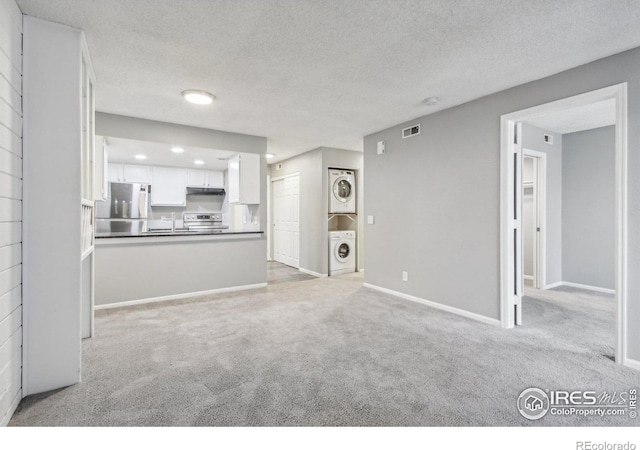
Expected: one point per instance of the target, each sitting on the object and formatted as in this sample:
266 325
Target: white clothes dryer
342 191
342 252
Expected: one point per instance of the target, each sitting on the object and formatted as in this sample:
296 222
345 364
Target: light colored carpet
281 273
330 352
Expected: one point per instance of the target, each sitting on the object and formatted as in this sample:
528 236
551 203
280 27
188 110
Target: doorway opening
523 171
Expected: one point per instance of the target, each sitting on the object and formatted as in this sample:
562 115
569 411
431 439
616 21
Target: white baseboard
580 286
528 277
180 296
311 272
14 405
451 309
589 288
632 363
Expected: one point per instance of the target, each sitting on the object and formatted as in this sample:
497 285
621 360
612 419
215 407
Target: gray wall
532 139
313 167
10 208
436 197
588 214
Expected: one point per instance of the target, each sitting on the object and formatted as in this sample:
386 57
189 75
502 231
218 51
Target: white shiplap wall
10 208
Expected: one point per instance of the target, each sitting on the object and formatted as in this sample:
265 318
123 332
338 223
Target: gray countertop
168 233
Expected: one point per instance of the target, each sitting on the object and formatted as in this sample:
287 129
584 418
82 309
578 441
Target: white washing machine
342 191
342 252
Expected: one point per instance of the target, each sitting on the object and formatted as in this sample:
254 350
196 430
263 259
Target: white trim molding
632 363
588 287
311 272
180 296
14 405
440 306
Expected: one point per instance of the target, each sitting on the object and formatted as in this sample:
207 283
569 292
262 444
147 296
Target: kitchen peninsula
146 267
193 213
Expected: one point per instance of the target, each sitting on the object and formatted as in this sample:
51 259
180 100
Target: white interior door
518 282
286 220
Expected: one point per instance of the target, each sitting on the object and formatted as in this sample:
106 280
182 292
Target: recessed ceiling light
140 157
198 97
177 149
198 162
431 101
269 155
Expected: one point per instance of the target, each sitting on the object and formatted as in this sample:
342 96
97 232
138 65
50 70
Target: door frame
540 199
271 213
508 123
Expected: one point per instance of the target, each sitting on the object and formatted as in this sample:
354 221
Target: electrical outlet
405 276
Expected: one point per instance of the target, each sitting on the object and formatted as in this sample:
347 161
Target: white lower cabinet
169 187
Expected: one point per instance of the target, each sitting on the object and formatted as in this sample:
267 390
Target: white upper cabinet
169 187
115 173
137 174
129 173
244 179
204 178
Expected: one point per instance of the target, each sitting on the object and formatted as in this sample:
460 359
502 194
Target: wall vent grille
413 130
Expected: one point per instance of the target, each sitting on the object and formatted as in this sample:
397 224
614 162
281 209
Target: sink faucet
173 221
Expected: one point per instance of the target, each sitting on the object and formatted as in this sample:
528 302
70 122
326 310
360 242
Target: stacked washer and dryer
342 200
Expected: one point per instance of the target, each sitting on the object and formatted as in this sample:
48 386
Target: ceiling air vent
413 130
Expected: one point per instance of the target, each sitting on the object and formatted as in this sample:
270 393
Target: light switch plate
370 220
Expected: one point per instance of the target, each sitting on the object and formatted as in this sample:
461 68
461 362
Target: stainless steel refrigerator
125 210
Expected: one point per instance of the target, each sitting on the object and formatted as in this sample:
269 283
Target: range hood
205 191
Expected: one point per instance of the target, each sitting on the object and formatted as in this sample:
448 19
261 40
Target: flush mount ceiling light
431 101
140 157
269 155
198 97
198 162
177 149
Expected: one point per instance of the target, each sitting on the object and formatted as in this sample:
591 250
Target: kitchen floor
281 273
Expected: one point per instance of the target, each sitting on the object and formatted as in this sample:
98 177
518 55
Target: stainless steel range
202 221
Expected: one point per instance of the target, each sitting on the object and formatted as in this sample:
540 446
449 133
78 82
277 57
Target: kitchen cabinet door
169 187
196 178
116 173
215 178
244 179
134 173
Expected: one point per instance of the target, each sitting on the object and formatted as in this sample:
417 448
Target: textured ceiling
595 115
310 73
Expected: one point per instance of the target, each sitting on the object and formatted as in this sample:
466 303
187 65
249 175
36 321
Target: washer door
342 189
343 251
